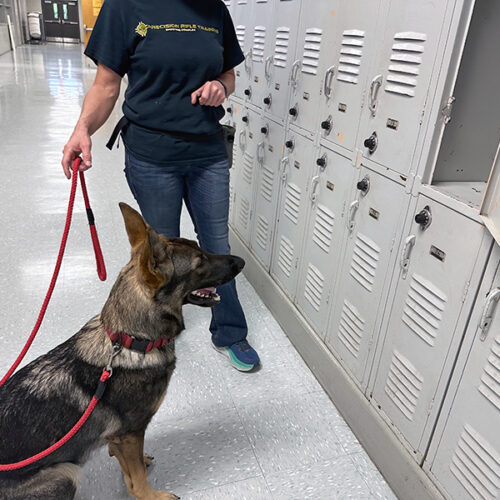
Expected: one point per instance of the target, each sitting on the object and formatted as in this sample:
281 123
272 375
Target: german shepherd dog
43 400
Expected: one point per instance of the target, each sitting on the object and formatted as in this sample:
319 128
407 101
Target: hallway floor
220 434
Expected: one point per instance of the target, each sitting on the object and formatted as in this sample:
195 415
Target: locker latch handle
242 142
294 73
267 67
488 313
327 84
260 152
374 88
405 254
353 208
248 61
314 184
284 163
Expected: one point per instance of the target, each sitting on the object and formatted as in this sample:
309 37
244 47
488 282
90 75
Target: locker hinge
466 290
328 298
446 110
296 263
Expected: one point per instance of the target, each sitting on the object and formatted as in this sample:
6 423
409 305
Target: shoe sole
235 362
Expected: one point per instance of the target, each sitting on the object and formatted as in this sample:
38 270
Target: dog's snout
238 263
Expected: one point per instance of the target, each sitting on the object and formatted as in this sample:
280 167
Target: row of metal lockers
364 176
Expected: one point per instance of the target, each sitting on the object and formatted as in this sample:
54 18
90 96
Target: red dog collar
130 342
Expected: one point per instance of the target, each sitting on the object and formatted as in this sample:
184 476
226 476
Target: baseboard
406 478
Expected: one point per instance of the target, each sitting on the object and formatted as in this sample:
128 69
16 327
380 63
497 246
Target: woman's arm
97 106
213 93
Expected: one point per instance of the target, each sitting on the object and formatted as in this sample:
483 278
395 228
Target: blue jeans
204 187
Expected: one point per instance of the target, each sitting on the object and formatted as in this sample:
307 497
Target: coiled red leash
101 271
101 268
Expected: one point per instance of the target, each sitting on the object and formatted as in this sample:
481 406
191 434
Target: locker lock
321 162
248 92
265 129
371 143
244 119
326 125
293 111
229 109
290 144
267 100
364 185
424 217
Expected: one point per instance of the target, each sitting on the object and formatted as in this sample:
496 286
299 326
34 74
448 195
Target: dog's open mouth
204 297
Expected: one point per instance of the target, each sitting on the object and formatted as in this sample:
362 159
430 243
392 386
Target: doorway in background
61 20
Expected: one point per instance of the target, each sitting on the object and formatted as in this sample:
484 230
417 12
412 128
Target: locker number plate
277 86
374 213
394 124
439 254
256 79
296 164
342 107
330 185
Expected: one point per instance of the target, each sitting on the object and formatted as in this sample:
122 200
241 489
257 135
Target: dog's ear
156 265
135 225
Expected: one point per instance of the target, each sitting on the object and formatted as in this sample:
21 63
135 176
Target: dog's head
172 268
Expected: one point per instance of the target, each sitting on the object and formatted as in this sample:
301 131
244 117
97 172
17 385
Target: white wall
4 39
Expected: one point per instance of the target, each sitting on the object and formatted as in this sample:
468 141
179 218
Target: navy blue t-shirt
168 49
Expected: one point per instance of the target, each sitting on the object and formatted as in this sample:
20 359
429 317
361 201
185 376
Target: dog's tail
59 482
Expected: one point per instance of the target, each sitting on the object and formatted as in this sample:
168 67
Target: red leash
90 408
101 268
101 271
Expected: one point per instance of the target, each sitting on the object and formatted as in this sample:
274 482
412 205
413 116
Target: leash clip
116 350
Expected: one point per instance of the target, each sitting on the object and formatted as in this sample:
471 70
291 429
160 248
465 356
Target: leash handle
101 269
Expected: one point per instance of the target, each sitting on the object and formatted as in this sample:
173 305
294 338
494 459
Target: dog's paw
165 495
148 459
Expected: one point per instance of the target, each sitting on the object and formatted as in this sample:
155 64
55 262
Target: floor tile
335 479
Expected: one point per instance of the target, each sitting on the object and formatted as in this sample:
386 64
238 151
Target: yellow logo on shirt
142 28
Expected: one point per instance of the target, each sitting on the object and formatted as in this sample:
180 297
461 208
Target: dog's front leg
129 450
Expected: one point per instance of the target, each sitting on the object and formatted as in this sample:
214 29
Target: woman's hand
79 143
210 94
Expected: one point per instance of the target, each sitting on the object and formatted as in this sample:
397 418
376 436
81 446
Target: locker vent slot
403 384
490 381
240 35
266 188
476 464
247 169
406 58
292 202
323 228
350 56
351 328
281 47
285 257
259 42
364 261
262 232
314 286
423 309
242 2
244 213
312 47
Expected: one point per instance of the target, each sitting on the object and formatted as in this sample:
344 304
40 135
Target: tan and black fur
43 400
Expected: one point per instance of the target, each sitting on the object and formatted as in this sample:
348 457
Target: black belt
178 135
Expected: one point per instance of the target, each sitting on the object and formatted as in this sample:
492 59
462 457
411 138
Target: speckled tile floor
220 434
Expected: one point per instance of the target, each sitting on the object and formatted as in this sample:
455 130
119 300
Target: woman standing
179 56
